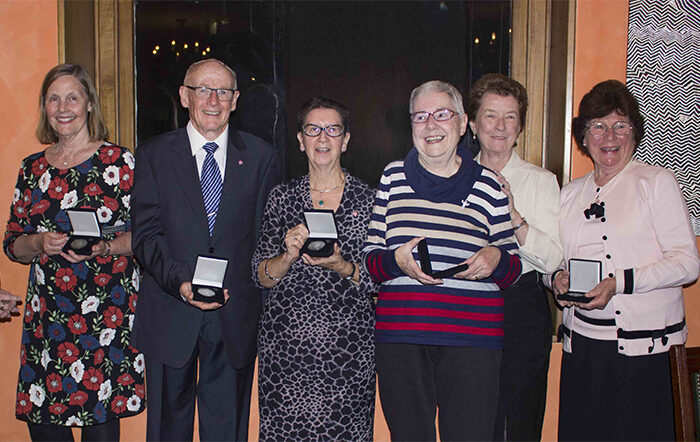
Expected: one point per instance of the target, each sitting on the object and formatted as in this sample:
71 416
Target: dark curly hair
323 103
501 85
605 98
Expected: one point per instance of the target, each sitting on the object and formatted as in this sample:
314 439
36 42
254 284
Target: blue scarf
439 189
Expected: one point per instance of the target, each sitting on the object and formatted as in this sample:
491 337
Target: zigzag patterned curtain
663 72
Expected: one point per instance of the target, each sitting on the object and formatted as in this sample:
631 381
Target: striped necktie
211 185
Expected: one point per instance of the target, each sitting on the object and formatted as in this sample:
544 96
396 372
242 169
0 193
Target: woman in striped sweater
439 341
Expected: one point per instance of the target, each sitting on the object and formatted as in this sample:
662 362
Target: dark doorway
368 55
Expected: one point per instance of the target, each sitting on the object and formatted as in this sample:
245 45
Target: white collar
197 140
513 162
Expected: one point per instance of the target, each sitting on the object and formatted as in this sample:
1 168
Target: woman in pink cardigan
630 218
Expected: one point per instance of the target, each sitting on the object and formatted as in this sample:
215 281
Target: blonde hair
96 124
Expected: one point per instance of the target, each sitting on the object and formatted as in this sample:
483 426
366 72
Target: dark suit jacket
169 230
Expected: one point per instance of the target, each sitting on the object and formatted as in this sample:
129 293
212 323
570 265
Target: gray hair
194 66
438 86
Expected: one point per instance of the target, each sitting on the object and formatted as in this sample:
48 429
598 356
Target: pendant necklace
320 201
65 162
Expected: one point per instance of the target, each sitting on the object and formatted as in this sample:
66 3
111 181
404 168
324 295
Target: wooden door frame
105 48
550 91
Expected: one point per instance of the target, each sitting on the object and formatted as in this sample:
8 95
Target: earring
474 136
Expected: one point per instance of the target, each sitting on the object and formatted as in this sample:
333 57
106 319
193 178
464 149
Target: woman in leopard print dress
315 342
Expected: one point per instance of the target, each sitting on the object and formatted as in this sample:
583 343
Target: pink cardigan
648 245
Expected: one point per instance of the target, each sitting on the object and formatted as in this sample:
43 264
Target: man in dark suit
190 198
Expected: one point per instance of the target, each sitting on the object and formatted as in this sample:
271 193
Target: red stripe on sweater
449 299
424 326
375 270
514 270
439 312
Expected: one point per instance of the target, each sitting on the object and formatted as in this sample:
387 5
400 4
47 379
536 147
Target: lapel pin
240 162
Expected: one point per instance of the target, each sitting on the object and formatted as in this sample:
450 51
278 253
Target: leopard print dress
316 376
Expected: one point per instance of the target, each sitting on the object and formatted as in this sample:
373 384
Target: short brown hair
501 85
605 98
323 103
96 124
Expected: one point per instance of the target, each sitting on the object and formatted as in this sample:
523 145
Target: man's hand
188 296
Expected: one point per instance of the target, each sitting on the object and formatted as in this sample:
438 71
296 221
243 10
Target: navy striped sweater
458 216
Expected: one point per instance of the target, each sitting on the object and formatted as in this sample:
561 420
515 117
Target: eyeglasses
438 115
619 128
332 130
203 93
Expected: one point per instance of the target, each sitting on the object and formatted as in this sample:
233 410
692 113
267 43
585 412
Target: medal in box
208 279
584 274
427 267
85 231
323 233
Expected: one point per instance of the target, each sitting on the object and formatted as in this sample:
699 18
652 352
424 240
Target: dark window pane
367 55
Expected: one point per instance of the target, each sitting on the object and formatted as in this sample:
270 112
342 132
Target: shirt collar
513 163
197 140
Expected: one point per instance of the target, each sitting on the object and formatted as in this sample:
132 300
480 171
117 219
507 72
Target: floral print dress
76 365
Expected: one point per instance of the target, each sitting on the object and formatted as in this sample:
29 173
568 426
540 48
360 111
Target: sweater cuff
382 266
624 280
508 269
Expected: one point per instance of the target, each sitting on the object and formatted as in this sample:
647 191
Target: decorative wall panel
663 72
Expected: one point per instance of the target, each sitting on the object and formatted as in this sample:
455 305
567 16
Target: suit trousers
417 380
222 393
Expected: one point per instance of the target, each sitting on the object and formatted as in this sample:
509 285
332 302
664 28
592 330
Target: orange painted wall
28 39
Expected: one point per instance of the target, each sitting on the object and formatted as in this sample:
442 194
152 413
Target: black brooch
596 209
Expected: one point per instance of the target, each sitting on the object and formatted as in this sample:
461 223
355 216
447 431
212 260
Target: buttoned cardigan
648 245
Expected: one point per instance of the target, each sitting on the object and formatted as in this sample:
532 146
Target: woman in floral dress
77 367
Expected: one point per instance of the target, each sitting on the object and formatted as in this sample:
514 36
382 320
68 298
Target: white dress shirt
197 142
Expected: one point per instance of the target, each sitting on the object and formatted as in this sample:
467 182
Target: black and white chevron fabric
663 72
